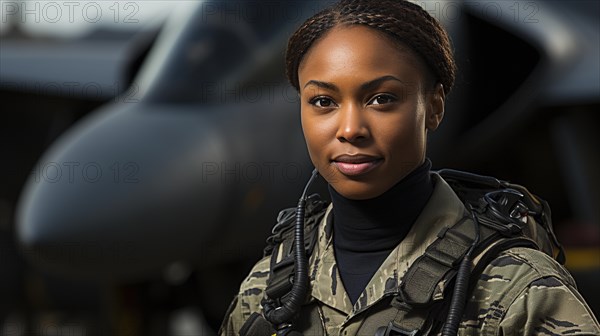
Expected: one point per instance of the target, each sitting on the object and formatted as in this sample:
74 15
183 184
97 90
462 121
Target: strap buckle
394 330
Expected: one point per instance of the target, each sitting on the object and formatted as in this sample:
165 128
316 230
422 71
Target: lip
355 165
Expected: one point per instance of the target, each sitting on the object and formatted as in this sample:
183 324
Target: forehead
359 51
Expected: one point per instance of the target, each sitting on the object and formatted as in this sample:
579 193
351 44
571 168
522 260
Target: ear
435 102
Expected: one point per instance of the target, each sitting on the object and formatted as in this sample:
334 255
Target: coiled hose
281 316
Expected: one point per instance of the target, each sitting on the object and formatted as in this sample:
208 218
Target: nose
352 125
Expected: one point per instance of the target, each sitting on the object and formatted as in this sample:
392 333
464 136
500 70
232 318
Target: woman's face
365 113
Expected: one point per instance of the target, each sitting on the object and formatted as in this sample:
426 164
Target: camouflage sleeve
549 306
247 301
526 292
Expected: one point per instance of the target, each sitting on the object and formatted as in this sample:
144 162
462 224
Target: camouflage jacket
521 292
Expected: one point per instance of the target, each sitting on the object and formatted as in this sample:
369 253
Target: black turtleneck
366 231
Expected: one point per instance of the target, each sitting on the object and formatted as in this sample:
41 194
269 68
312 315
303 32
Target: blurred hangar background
148 145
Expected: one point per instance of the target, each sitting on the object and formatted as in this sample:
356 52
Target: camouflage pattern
521 292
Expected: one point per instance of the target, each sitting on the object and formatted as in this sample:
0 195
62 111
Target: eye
382 99
322 102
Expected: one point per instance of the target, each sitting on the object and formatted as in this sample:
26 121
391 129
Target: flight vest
499 216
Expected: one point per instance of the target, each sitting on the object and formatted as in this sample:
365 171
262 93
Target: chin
357 190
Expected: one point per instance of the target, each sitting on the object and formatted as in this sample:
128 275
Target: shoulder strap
281 271
280 245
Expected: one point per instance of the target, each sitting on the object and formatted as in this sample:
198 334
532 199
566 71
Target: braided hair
403 21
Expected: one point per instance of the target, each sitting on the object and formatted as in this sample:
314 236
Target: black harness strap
436 264
415 301
281 244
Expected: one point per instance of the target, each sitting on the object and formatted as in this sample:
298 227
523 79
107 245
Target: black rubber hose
291 306
459 297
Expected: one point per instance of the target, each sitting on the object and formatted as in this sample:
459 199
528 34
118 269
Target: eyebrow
363 87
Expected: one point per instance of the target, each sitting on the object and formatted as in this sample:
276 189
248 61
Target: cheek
307 128
311 133
317 130
317 134
404 136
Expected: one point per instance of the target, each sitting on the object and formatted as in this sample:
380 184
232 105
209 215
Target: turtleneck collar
380 222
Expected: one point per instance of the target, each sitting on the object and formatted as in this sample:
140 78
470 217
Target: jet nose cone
122 194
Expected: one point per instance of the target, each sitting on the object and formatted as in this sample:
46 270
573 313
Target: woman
372 78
